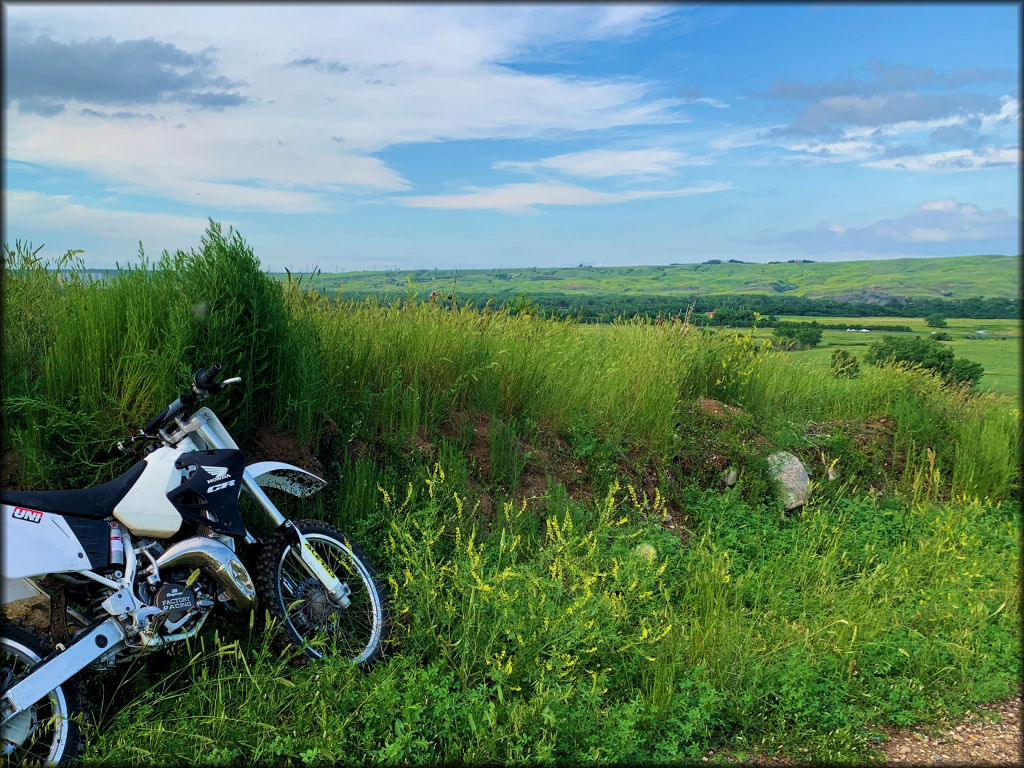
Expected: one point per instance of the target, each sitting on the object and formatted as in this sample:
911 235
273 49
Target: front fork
317 568
337 590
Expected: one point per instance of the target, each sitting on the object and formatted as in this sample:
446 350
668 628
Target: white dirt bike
140 562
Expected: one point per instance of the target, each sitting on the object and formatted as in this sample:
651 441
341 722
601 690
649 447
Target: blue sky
369 137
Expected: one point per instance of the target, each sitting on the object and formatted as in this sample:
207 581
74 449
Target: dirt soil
989 737
9 471
977 739
270 446
716 408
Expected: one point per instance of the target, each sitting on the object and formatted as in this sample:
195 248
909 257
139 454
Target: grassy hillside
943 278
571 581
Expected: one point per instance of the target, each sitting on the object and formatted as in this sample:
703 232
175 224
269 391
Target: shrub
928 354
935 320
805 334
844 365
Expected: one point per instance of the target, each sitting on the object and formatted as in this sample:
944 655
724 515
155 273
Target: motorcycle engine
180 605
176 600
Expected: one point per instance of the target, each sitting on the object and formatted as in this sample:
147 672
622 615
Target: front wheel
300 603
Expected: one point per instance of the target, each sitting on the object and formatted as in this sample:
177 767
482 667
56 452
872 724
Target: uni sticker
32 515
319 559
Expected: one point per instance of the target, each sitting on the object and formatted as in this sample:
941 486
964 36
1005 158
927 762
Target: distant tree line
603 308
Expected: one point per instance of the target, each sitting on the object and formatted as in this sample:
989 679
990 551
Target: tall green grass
84 360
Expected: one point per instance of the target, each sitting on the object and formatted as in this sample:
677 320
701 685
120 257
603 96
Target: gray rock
793 479
730 476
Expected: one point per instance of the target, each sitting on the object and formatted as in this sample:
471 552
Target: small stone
730 476
793 480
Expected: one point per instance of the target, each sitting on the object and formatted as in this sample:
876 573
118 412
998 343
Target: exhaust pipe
218 562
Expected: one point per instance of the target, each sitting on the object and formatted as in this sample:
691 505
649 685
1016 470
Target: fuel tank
145 510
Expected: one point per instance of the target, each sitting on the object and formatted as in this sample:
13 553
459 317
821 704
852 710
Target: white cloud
932 223
842 151
939 205
401 74
27 212
604 163
930 235
711 102
901 144
1009 115
523 197
953 160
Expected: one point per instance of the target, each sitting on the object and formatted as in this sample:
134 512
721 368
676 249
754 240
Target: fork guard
285 477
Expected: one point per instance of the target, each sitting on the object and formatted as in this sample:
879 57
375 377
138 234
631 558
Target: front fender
285 477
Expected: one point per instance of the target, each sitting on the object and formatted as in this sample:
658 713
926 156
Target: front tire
298 602
50 731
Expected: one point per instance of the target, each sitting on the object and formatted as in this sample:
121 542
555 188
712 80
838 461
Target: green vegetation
997 350
935 320
944 278
570 581
802 335
927 353
844 365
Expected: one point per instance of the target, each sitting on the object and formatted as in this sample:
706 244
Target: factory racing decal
32 515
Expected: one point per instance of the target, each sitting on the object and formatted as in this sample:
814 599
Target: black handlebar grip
206 378
156 421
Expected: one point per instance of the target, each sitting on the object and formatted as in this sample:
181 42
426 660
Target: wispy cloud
524 197
894 111
952 160
604 163
28 211
693 96
933 223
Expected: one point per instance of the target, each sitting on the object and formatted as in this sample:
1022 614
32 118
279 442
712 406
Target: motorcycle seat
96 502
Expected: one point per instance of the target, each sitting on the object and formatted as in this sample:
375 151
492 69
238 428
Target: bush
928 354
935 320
844 365
806 335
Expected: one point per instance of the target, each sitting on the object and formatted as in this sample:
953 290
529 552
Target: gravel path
991 737
972 740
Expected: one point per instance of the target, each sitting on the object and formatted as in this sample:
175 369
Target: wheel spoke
355 630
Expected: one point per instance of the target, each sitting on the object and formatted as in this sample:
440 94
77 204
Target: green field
942 278
998 350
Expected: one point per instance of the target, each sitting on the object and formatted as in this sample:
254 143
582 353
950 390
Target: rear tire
50 731
297 601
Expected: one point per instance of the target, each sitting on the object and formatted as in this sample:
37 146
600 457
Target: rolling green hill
957 277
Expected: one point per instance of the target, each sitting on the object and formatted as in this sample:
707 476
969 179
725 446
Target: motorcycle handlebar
207 378
204 383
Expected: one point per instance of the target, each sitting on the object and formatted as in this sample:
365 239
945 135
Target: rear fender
285 477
